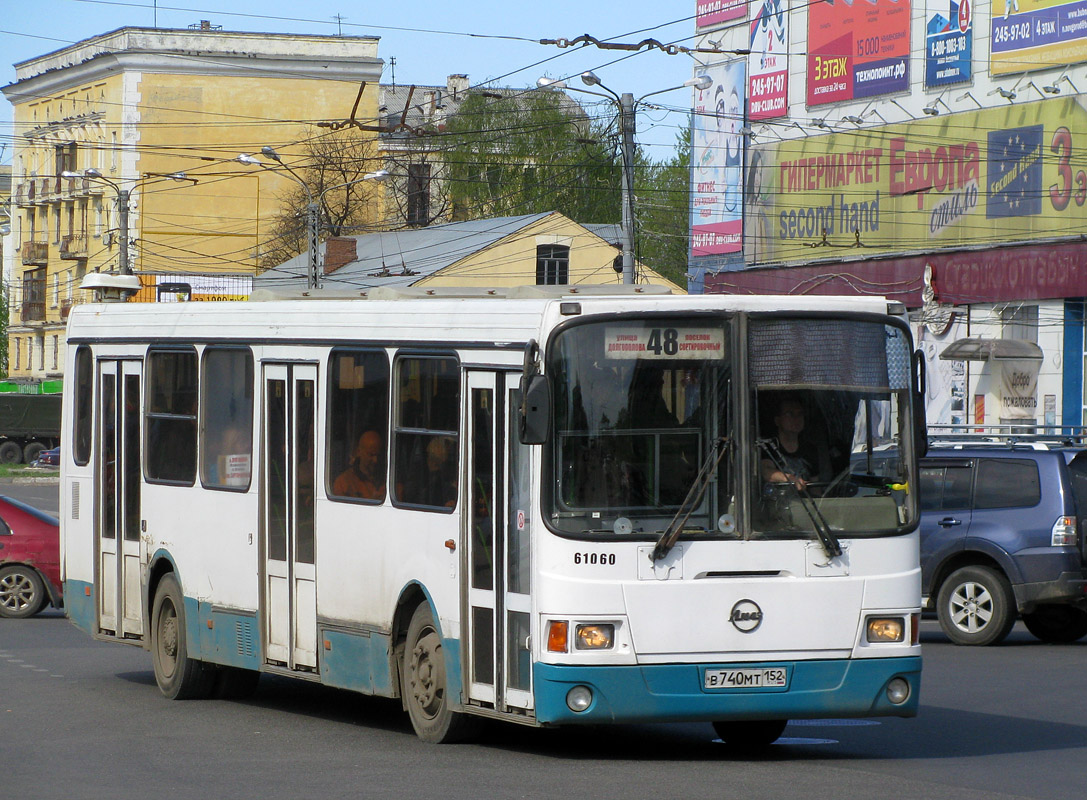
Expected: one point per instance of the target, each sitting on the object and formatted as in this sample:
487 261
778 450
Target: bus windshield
647 428
638 407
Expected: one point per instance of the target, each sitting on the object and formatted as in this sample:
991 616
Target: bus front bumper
675 693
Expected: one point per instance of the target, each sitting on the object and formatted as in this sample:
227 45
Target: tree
528 153
662 210
332 166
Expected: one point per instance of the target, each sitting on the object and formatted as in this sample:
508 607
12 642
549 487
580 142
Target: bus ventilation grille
243 632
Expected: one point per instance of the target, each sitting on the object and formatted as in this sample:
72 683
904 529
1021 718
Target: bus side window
426 425
226 445
171 416
358 423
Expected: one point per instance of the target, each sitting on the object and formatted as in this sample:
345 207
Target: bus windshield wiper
692 500
830 542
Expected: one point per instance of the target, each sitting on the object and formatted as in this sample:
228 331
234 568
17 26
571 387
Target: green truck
29 423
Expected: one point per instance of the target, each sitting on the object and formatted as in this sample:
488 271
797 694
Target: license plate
757 678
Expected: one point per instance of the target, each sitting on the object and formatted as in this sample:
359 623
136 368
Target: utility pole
626 125
122 230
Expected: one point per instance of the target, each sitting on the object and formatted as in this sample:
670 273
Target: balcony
65 309
24 194
73 246
35 253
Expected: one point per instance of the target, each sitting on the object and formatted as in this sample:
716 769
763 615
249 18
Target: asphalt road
83 719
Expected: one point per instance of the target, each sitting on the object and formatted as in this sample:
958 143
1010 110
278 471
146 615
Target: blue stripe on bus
232 638
79 605
674 693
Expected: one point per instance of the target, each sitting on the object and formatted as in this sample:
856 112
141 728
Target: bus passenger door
288 544
117 519
498 667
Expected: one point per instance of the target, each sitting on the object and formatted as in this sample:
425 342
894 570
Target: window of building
171 416
56 353
358 423
227 413
41 352
1020 323
418 194
425 435
17 346
552 265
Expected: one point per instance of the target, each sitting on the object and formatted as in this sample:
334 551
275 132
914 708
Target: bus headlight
594 637
579 698
886 629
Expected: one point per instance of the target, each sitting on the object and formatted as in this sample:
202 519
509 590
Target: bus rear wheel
178 676
750 734
424 687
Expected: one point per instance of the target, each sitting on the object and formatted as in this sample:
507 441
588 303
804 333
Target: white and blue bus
550 505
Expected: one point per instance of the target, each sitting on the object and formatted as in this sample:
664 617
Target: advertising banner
1037 34
857 50
949 42
956 181
768 64
713 12
717 160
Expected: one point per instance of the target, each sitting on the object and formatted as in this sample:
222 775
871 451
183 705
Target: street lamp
313 207
123 197
627 106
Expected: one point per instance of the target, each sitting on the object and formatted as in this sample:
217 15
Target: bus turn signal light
556 636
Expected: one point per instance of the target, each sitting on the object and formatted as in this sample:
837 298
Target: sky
428 40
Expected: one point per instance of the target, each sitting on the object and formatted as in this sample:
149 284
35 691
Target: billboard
1037 34
714 12
717 160
768 64
857 50
956 181
949 42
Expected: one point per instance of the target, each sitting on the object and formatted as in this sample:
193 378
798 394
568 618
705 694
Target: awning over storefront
979 349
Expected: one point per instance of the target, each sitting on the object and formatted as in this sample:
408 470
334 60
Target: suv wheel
976 606
1057 623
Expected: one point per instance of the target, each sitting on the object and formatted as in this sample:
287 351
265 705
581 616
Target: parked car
29 560
48 458
1002 535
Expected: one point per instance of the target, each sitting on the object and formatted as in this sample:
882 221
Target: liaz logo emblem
746 616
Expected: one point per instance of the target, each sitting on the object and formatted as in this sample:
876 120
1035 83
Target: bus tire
976 606
750 734
10 452
22 592
178 676
423 684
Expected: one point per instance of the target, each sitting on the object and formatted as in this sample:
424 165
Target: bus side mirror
920 424
535 412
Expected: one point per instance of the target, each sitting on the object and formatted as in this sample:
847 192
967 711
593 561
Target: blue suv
1002 532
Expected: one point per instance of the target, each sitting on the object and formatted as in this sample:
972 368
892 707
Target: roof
981 349
400 258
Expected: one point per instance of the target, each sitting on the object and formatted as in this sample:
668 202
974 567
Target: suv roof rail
1027 434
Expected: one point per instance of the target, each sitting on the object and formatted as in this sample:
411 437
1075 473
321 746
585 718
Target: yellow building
135 107
547 249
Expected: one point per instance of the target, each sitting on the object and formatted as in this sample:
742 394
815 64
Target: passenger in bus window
437 486
364 477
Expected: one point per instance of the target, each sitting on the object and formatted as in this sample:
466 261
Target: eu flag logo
1015 173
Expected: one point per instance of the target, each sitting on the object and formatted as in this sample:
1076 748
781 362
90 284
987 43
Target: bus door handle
949 522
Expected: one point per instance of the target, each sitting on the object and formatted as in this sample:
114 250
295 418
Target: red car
29 559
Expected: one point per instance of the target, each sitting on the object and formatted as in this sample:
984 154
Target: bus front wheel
423 683
178 676
750 734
